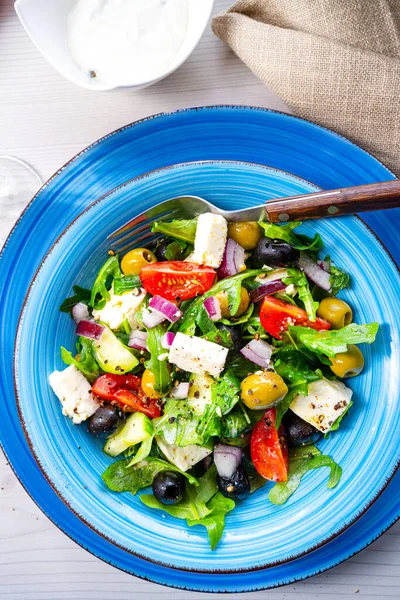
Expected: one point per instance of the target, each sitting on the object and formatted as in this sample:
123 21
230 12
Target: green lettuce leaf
159 368
332 342
178 425
298 278
80 295
87 363
299 464
181 229
100 290
286 233
215 521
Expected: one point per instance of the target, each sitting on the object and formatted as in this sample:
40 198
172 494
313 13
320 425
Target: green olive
259 391
135 260
223 301
348 364
247 234
336 312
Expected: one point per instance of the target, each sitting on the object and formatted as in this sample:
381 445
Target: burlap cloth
335 62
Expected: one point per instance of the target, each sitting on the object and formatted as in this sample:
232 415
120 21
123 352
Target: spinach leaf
126 283
334 341
338 421
87 363
109 271
231 285
158 367
181 229
121 477
298 467
286 233
80 295
339 279
298 278
202 505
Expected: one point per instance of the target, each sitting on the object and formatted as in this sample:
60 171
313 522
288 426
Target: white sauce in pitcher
126 42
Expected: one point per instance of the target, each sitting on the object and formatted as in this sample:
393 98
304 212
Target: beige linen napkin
335 62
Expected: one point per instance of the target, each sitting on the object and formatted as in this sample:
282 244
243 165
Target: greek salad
211 363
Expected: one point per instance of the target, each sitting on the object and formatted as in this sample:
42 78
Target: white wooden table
45 120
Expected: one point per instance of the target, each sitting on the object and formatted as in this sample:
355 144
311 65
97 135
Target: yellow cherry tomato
247 234
134 260
147 384
337 312
348 364
259 391
243 306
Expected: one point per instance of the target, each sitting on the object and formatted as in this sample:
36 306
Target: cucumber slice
200 393
112 356
137 428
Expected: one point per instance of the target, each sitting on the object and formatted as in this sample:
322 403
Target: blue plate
237 133
257 534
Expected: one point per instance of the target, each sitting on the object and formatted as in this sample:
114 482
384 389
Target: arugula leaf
338 421
239 366
126 283
225 394
181 229
298 467
219 336
202 505
80 295
174 249
109 271
159 368
242 319
231 285
120 476
298 278
234 423
294 368
285 232
87 363
339 279
334 341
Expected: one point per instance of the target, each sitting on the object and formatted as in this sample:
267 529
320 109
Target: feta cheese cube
75 394
325 402
119 308
210 240
182 457
195 355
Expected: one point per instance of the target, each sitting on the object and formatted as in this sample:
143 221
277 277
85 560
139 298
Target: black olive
168 487
237 486
105 420
234 334
168 249
299 432
276 253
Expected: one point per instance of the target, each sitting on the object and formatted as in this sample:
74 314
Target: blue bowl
257 533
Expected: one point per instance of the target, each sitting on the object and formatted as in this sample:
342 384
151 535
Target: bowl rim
42 468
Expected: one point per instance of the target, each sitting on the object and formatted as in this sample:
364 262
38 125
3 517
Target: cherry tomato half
176 280
126 391
276 316
268 448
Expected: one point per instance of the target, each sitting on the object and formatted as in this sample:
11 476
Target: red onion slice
258 352
213 308
89 329
314 272
138 340
166 308
227 460
233 259
152 319
80 312
181 391
267 289
324 264
167 340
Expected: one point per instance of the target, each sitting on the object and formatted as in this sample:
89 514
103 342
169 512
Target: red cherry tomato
176 280
268 448
276 316
126 391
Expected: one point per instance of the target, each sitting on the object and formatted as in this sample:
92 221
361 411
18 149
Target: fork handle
335 203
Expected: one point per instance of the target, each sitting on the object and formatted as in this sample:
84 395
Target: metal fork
331 203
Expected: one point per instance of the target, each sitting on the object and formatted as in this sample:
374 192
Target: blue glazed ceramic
257 533
238 133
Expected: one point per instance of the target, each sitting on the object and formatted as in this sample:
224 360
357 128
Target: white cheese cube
182 457
325 402
210 240
119 308
195 355
74 393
